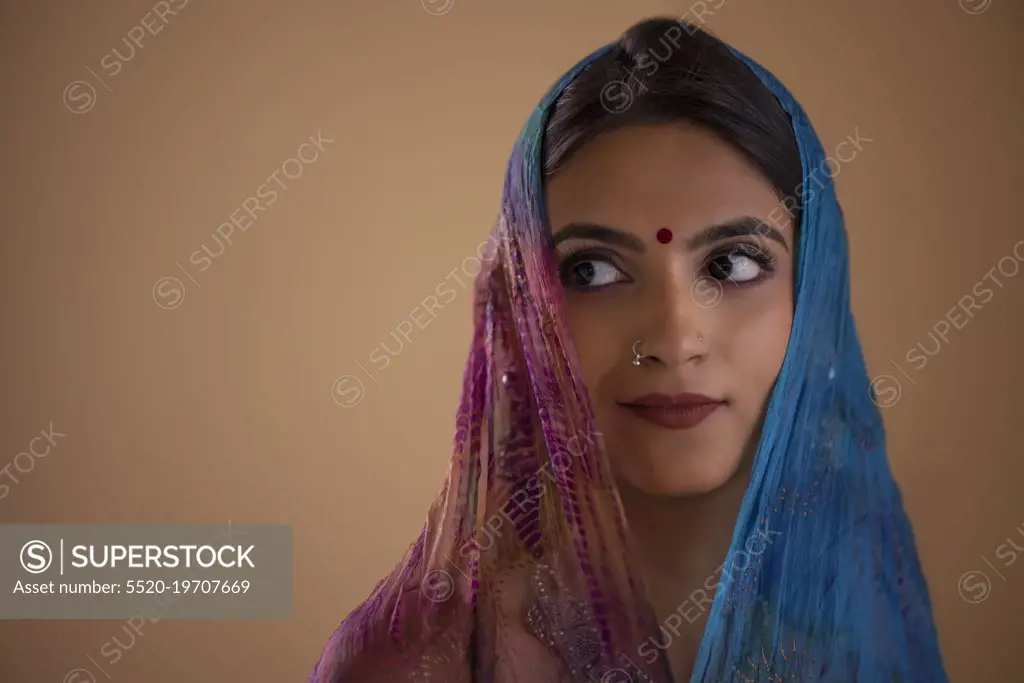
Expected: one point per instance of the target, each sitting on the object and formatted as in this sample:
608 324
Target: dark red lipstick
681 411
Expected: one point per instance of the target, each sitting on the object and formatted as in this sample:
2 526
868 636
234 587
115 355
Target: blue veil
843 597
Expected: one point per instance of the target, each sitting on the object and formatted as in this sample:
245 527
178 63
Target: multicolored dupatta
523 573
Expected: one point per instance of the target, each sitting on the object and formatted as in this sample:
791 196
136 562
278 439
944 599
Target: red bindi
664 235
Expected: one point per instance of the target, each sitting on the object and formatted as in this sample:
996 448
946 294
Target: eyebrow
737 227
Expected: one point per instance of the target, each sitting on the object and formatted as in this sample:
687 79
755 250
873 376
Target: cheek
754 340
597 341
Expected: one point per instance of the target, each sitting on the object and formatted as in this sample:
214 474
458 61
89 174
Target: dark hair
665 71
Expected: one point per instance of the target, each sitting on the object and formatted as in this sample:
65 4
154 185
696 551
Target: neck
681 540
680 543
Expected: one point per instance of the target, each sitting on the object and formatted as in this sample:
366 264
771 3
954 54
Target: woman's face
712 307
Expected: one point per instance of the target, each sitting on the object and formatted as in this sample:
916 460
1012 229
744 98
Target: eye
589 271
741 264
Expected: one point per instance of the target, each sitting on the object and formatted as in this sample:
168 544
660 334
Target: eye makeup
722 262
587 262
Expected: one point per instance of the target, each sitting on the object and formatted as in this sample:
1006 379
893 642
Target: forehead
643 177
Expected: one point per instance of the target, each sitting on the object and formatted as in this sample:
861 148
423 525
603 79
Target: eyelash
763 258
574 258
755 253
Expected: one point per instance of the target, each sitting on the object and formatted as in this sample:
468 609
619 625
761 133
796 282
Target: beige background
222 407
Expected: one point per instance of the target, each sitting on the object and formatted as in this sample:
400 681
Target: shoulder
519 656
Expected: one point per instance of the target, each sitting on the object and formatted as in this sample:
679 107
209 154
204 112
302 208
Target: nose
677 310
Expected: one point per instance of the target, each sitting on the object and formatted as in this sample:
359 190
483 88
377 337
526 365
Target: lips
681 411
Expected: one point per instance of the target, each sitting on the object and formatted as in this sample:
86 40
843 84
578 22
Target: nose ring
637 356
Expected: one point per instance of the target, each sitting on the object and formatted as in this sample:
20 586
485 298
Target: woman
665 374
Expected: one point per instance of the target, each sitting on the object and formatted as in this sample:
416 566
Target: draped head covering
523 572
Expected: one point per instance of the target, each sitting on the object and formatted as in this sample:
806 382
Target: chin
672 474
